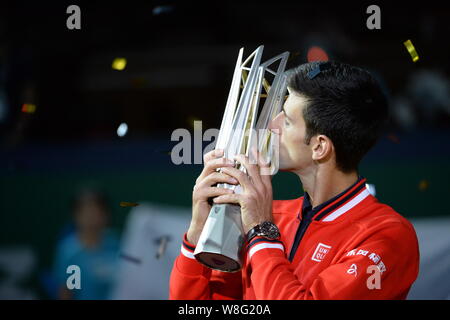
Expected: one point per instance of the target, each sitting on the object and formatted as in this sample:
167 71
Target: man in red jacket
335 242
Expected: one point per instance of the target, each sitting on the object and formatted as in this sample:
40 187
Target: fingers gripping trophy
244 129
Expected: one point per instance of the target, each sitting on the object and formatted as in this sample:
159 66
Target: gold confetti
28 108
119 64
128 204
423 185
412 51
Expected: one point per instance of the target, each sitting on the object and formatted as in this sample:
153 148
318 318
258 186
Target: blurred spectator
424 101
430 91
92 246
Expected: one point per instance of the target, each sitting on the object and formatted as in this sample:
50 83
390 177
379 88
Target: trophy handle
220 244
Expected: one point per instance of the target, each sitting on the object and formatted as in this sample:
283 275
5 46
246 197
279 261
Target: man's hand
204 189
256 198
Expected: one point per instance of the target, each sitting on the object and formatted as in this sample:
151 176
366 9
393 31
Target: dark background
179 68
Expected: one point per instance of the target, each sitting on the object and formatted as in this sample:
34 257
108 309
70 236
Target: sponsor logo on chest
320 252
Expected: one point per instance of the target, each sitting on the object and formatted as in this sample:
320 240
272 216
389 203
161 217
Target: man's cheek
283 156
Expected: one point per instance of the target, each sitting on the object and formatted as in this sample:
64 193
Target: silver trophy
243 129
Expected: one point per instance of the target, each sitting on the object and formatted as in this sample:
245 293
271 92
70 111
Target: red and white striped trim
264 245
349 205
187 253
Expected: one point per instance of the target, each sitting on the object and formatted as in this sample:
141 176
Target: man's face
294 154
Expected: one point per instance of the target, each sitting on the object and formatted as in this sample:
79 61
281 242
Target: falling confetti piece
423 185
412 51
28 108
128 204
119 64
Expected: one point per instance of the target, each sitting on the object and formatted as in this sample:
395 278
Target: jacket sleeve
190 280
391 252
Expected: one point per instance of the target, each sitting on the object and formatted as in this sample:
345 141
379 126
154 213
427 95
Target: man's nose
276 122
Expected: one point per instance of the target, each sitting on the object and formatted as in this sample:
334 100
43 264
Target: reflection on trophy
243 129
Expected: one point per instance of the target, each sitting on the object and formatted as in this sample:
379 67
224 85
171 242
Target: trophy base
219 245
218 262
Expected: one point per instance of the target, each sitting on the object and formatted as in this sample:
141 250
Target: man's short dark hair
345 103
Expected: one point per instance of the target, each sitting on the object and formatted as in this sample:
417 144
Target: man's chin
284 168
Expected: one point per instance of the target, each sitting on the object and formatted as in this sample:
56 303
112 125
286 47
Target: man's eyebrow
285 113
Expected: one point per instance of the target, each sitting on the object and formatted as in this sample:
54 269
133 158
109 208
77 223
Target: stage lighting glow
119 64
317 54
122 129
28 108
424 185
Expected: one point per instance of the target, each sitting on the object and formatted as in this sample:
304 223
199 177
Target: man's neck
323 184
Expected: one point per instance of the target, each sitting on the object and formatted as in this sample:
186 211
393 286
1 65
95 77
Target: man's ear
322 147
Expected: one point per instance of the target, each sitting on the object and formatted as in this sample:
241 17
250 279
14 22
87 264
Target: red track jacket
354 248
